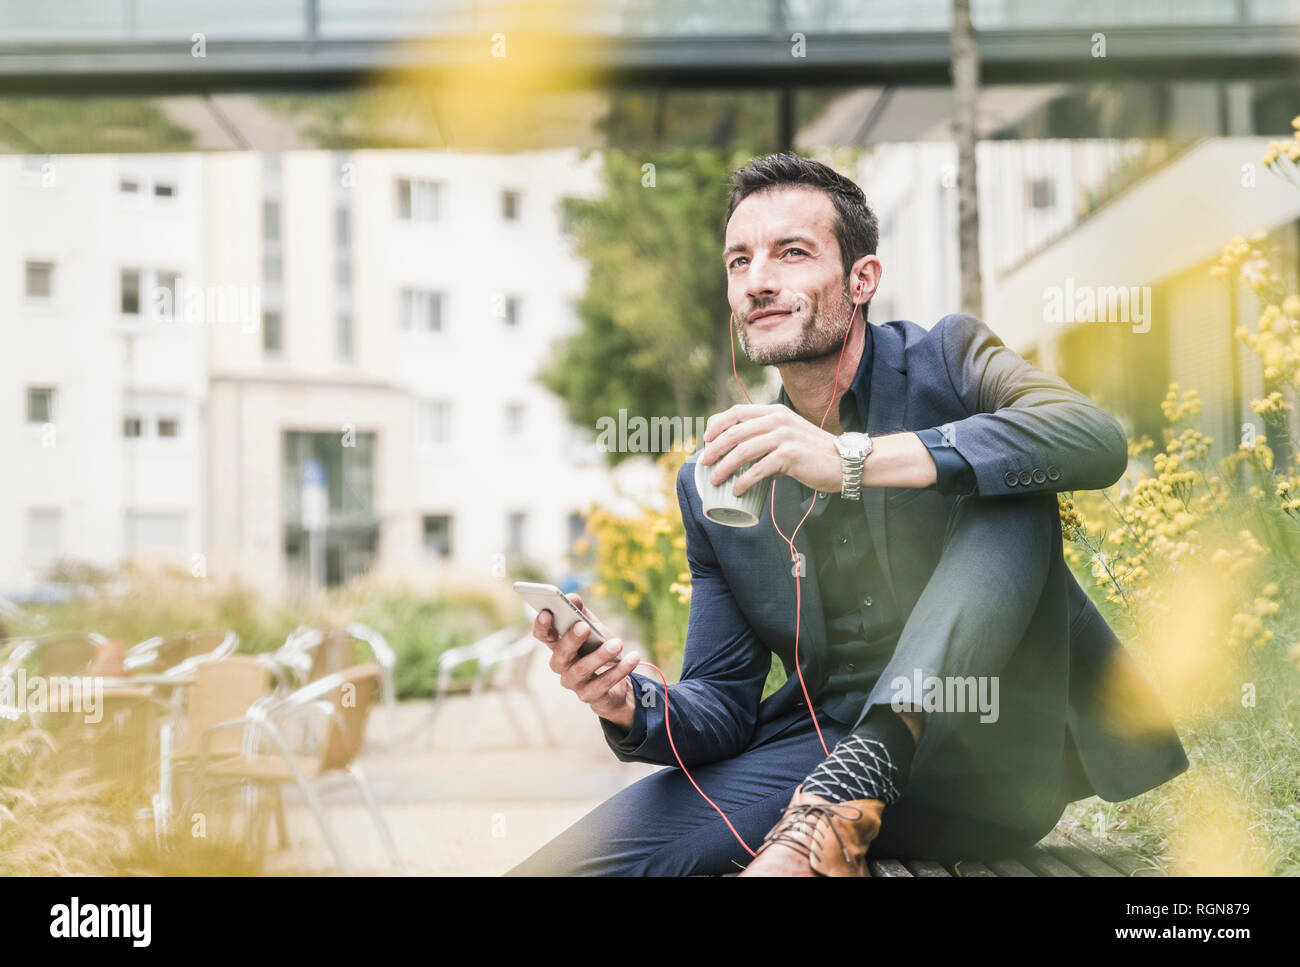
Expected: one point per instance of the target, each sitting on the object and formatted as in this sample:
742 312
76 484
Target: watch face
853 444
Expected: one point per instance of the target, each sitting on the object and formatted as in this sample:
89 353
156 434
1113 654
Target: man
965 687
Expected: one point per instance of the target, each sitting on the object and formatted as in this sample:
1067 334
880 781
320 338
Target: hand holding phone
585 657
564 613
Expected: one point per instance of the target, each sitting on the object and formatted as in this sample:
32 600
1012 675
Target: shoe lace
805 816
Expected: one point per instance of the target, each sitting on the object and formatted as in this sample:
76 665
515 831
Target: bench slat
969 868
887 868
1010 868
1127 862
1085 861
1044 863
926 868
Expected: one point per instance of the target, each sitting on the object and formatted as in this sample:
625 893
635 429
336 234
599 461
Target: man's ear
866 278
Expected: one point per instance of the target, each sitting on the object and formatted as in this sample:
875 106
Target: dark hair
855 223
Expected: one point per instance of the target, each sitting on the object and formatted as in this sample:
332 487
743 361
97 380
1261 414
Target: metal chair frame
266 720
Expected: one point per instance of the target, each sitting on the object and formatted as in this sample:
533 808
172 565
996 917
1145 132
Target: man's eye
736 262
799 250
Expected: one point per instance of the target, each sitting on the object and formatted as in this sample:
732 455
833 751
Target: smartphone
547 597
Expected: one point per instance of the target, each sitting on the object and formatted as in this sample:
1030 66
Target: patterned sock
871 762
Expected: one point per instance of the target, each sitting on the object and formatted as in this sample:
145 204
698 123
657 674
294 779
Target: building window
437 421
510 201
1042 193
419 201
272 337
40 404
437 535
44 533
514 417
169 427
164 189
516 528
132 427
162 299
420 310
272 265
39 280
351 535
129 186
158 532
342 226
512 310
344 345
271 221
129 303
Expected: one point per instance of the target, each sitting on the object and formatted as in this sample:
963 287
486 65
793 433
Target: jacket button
1039 476
1010 478
1026 478
1053 473
823 495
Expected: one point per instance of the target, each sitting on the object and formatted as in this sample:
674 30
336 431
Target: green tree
654 322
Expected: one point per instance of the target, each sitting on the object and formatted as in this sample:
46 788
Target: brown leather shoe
817 837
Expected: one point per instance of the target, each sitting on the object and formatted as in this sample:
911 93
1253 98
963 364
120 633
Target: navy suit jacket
1024 433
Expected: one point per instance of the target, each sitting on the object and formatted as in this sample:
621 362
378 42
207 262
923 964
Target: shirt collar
853 404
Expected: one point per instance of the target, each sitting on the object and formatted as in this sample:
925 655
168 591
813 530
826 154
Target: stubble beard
819 337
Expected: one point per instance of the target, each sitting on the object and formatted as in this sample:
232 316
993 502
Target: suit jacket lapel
885 412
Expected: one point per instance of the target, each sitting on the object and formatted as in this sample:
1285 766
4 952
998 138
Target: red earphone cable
798 588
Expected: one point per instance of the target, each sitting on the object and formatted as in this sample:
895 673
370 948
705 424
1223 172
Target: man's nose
762 281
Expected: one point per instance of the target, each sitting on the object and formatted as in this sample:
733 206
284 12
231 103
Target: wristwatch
853 448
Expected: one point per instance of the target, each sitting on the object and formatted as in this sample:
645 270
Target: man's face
785 281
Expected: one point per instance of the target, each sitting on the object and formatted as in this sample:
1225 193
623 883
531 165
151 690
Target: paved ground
472 796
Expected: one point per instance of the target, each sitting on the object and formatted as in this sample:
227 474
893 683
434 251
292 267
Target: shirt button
823 495
851 667
867 602
844 538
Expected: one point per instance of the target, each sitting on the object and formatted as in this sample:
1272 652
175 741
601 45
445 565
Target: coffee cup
722 506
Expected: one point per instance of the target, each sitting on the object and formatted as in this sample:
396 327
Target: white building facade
373 320
103 385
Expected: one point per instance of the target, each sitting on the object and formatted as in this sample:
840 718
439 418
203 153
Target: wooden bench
1066 851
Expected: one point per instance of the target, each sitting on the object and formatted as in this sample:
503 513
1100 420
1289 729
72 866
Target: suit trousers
971 619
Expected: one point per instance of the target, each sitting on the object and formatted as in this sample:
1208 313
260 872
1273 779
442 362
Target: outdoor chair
56 655
504 659
222 690
122 746
341 702
178 654
310 654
